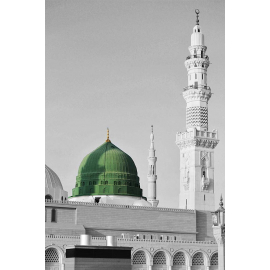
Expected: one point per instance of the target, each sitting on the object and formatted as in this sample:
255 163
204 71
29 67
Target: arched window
62 198
51 256
53 215
65 198
198 259
214 259
139 258
115 183
94 183
159 258
83 183
106 182
179 259
119 183
175 238
48 197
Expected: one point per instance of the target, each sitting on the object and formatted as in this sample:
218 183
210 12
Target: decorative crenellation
196 137
200 93
149 208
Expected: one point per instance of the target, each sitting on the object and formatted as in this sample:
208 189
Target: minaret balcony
194 137
200 86
197 56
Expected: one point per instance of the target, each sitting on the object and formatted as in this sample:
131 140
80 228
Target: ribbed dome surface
51 179
107 170
107 158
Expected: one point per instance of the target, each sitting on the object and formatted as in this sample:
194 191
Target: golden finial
108 140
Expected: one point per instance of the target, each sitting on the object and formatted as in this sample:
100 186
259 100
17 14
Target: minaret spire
152 139
197 15
152 177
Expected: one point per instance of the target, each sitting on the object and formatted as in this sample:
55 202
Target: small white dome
51 179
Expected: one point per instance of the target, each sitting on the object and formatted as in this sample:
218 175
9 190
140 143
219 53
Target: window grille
139 258
159 258
214 259
51 255
179 259
198 259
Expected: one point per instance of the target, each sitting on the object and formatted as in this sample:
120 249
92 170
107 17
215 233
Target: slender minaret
219 233
152 177
197 143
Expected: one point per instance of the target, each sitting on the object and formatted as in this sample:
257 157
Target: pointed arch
214 258
148 256
205 257
167 256
59 251
187 256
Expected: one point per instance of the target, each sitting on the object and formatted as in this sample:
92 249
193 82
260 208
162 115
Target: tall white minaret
197 143
152 177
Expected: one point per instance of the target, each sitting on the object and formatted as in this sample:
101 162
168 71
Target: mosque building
107 223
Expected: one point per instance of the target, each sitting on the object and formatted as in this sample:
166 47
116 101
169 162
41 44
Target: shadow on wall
204 226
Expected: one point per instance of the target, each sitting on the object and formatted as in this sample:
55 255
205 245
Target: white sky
120 64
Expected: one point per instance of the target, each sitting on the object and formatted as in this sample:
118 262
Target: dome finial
197 14
108 135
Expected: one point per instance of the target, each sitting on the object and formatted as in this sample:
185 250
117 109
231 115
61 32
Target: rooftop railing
150 208
119 239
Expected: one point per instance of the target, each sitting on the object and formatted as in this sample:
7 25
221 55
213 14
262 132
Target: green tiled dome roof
107 171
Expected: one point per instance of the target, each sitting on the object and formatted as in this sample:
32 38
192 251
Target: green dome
107 171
